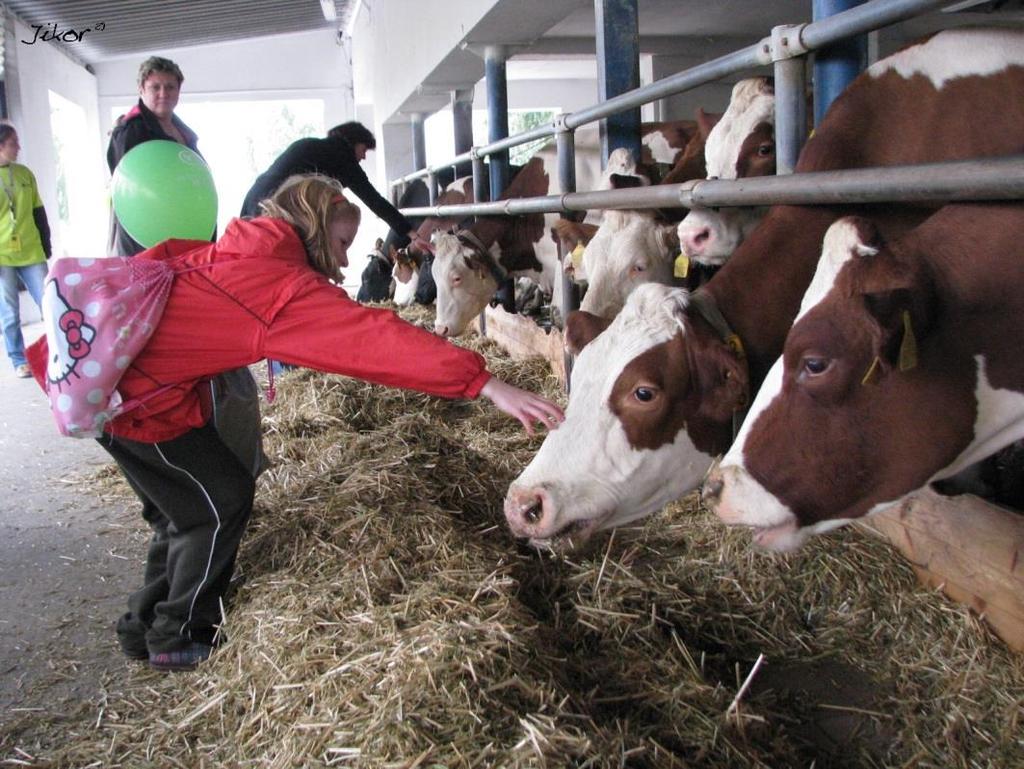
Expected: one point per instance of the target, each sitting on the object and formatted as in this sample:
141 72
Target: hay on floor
384 617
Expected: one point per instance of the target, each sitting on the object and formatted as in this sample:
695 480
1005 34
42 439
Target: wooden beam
972 550
522 338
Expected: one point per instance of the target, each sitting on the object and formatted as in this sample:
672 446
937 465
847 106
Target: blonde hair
311 203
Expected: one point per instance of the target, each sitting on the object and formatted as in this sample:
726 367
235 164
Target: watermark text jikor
51 31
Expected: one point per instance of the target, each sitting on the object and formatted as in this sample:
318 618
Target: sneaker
135 651
23 371
187 658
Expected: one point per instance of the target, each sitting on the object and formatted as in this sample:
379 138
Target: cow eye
639 268
815 366
765 149
644 394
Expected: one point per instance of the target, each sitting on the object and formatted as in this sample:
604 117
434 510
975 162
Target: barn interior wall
294 65
32 72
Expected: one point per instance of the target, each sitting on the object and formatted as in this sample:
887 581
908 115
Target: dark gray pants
197 497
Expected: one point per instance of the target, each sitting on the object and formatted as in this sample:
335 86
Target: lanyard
9 190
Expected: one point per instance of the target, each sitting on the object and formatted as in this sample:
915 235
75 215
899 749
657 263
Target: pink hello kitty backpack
98 315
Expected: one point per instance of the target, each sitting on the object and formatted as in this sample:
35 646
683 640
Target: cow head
741 145
858 412
468 265
466 272
629 249
651 403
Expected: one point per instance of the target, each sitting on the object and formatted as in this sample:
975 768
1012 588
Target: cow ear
725 382
667 236
901 318
581 328
706 121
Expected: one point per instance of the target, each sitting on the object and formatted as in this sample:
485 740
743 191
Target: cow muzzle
531 514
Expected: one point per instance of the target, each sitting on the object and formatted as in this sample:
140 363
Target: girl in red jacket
266 291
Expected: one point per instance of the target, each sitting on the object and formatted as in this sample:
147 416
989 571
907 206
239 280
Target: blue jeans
33 276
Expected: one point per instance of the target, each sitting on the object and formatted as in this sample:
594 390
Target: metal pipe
752 56
565 143
790 101
986 179
872 15
432 187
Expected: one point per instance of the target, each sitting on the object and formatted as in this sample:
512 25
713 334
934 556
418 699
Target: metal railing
787 42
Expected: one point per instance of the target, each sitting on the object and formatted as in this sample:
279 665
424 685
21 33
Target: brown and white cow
972 78
631 247
738 144
469 267
741 145
459 302
904 367
639 430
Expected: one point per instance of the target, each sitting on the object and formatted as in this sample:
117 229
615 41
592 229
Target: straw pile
385 618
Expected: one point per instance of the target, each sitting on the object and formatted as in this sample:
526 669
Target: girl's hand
525 406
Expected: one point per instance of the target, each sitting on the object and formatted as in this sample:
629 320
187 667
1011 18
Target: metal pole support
790 96
565 143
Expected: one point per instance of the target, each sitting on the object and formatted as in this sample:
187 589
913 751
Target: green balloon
162 189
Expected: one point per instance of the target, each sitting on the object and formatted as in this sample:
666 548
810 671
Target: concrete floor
68 559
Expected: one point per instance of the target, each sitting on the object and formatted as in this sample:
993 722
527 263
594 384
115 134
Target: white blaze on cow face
629 249
709 236
464 285
752 104
586 475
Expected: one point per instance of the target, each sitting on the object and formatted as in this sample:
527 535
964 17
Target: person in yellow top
24 244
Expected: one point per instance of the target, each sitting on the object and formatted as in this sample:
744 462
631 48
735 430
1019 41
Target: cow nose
696 240
711 493
441 330
524 511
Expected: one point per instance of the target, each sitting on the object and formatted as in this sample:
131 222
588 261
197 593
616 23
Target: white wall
300 65
32 72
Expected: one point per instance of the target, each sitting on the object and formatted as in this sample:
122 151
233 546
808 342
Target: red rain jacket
261 299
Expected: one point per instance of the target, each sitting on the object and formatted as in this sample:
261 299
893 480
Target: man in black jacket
337 156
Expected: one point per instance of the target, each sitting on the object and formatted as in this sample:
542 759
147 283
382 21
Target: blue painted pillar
462 125
838 64
419 145
497 114
617 29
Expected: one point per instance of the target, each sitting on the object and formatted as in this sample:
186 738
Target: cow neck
758 291
469 239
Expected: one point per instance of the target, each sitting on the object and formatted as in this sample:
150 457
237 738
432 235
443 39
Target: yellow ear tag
872 372
577 256
733 343
681 267
908 347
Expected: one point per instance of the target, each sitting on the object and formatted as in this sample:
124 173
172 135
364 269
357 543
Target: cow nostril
533 513
712 490
702 237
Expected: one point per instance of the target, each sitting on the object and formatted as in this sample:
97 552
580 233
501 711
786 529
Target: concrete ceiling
140 27
552 31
